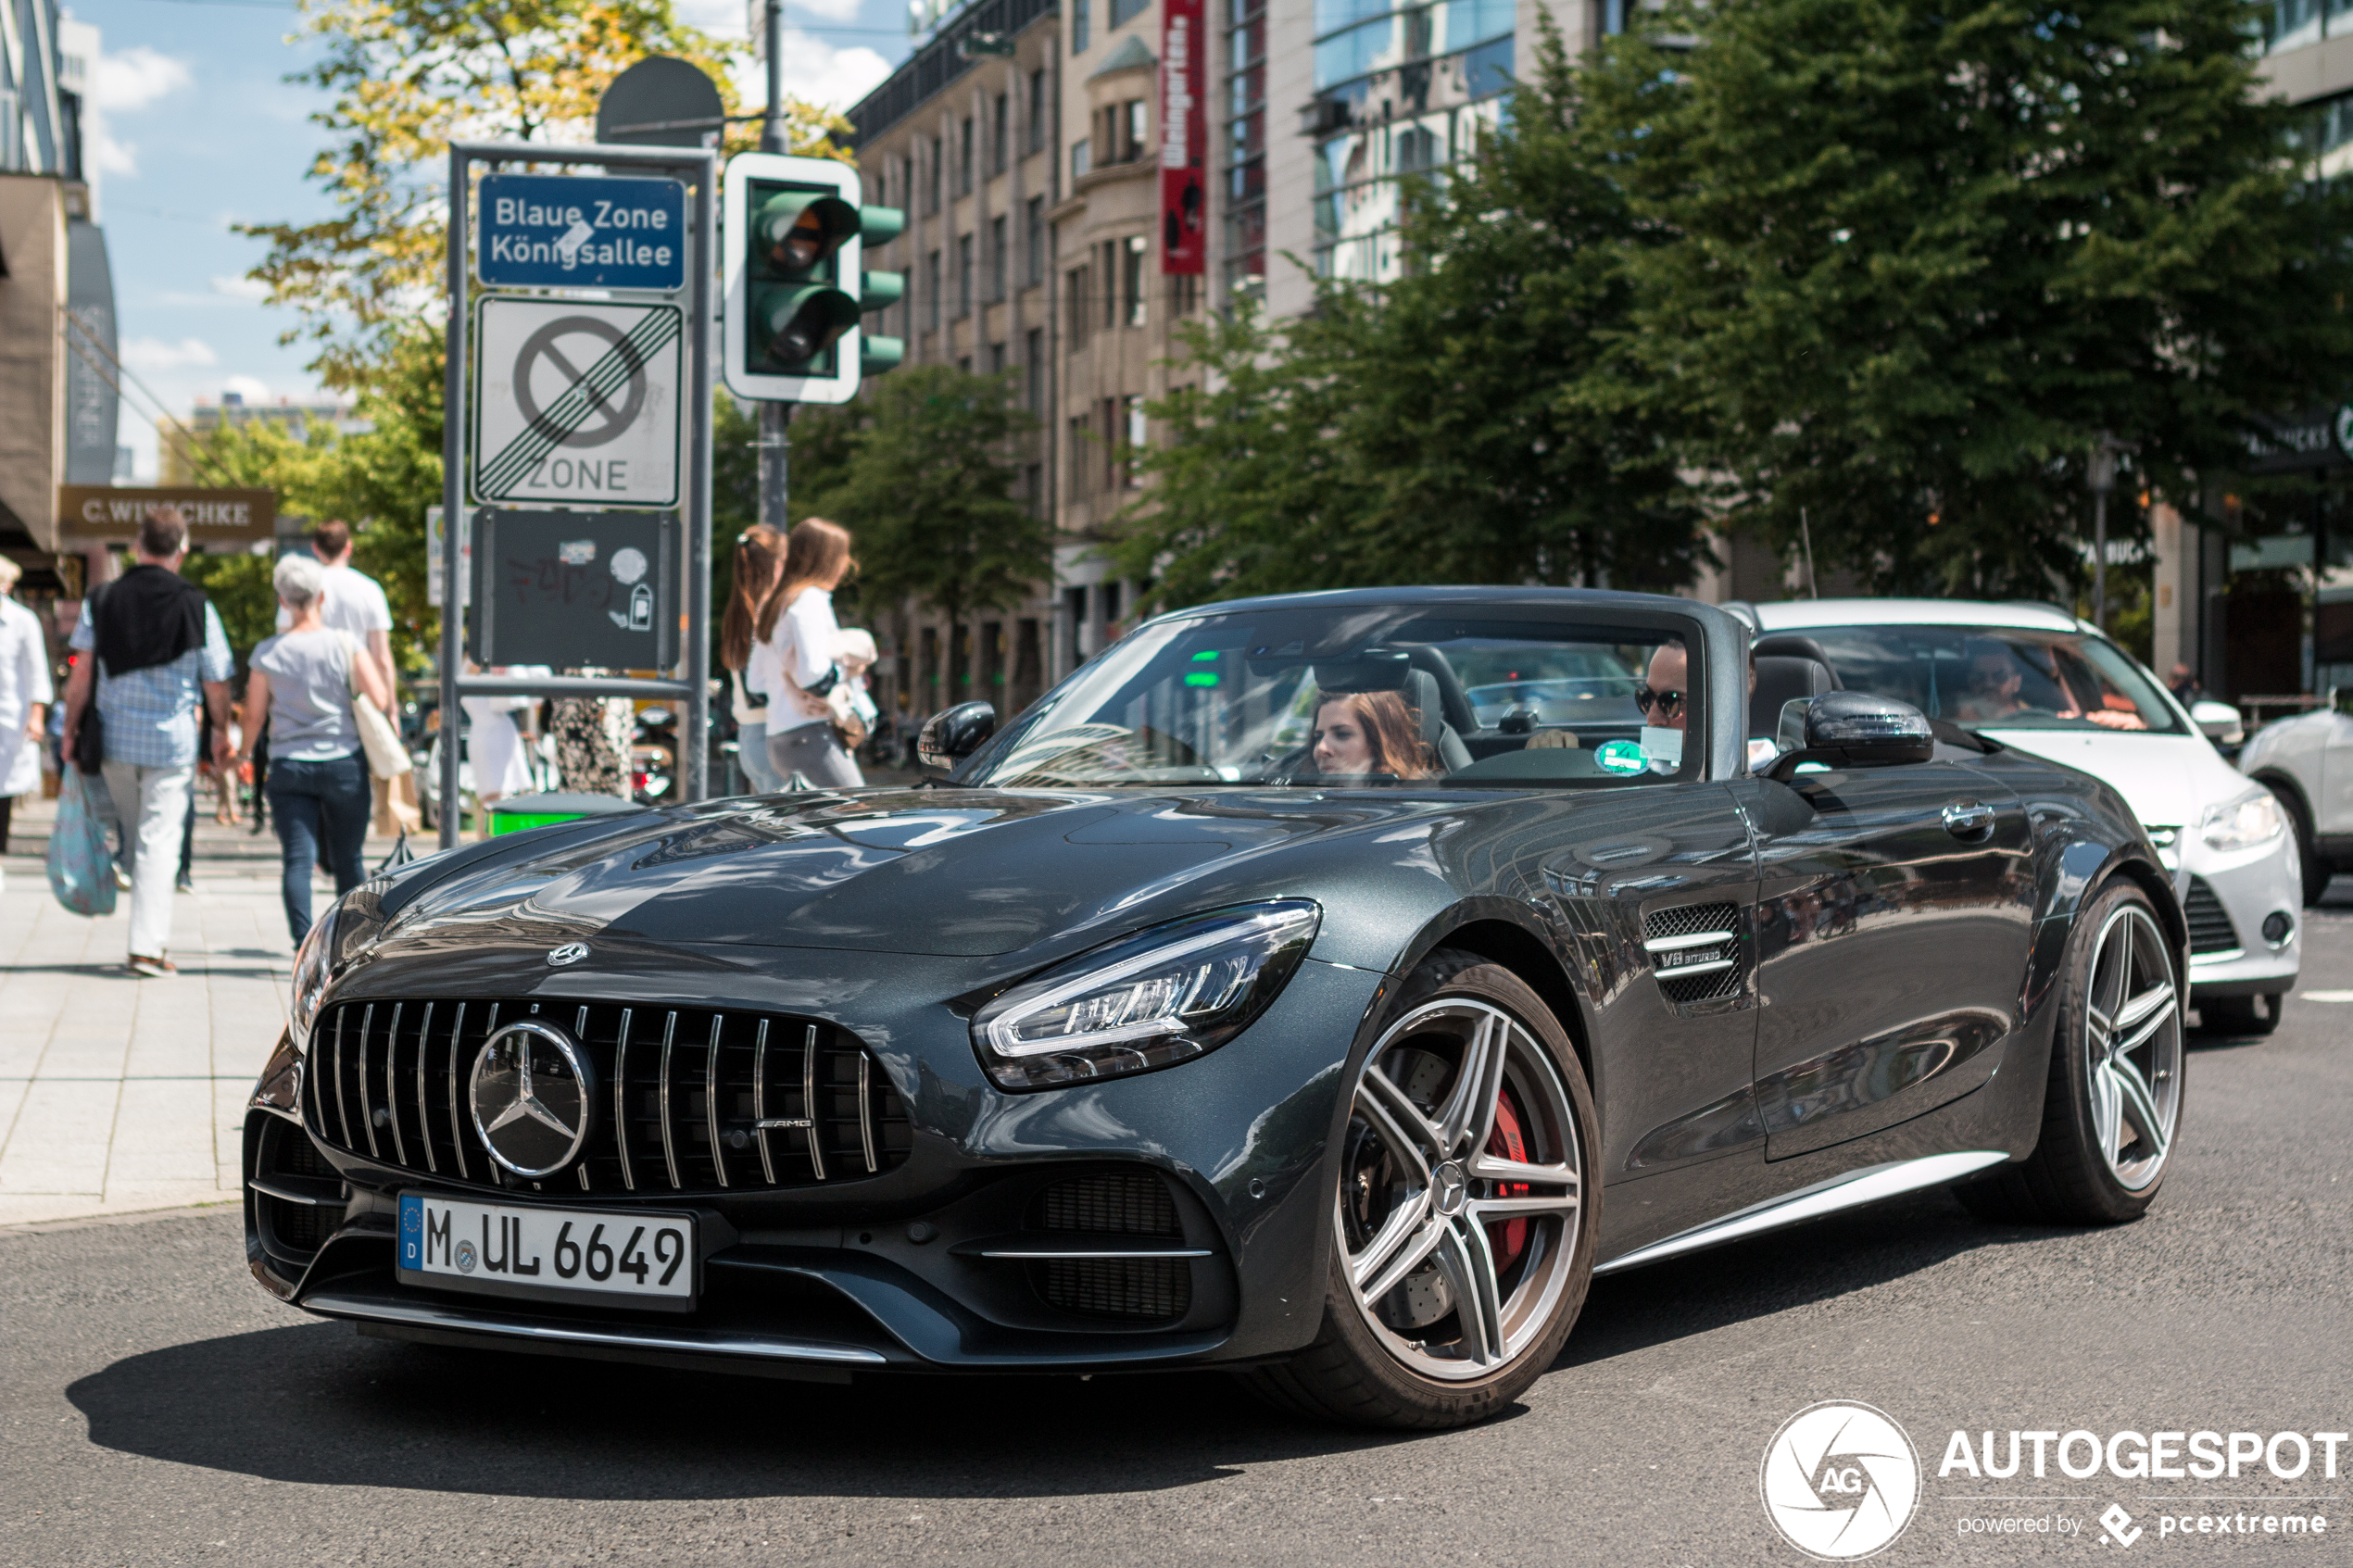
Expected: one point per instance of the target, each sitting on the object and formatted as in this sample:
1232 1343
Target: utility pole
774 418
2103 478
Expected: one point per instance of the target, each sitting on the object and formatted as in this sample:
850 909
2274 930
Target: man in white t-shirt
352 601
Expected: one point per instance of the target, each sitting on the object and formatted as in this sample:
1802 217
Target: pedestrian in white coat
25 696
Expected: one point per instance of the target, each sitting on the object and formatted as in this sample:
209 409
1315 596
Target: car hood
948 872
2168 780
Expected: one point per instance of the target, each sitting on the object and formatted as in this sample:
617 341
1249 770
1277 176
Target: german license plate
452 1243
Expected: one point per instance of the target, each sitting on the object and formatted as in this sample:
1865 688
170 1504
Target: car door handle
1969 818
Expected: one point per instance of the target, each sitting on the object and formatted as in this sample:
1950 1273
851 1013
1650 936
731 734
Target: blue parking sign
558 230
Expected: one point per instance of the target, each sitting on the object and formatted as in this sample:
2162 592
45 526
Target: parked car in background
2307 761
2036 679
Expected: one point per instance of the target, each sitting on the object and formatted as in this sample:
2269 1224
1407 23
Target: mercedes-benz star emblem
570 952
531 1097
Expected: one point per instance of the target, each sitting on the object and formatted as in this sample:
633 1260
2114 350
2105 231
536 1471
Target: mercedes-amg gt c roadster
1324 988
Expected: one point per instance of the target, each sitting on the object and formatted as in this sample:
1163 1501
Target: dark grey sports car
1259 999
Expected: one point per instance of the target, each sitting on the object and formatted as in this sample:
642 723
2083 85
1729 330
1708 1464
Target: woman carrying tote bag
301 692
797 624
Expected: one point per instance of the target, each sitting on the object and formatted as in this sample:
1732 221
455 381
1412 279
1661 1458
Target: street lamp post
774 418
2103 477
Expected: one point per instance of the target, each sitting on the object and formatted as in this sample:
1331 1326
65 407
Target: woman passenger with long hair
758 569
1369 734
798 625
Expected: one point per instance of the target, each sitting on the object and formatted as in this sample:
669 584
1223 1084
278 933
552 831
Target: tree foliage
1476 420
923 471
407 77
1911 259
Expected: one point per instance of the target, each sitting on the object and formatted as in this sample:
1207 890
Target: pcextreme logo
1840 1481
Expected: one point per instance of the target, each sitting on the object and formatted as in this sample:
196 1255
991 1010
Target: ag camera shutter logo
1841 1481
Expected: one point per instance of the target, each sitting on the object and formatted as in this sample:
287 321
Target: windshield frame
1643 617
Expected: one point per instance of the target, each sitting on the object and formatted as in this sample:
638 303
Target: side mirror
2219 720
954 734
1856 730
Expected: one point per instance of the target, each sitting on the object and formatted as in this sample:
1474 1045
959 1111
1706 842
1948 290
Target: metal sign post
589 405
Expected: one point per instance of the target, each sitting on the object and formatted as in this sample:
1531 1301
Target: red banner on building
1184 139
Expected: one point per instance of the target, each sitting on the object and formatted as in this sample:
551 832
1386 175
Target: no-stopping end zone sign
577 402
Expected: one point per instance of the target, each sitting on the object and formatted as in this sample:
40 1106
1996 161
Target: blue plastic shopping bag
80 866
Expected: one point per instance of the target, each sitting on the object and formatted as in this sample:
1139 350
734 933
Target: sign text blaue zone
555 230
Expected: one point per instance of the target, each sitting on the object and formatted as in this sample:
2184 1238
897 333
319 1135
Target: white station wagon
2032 677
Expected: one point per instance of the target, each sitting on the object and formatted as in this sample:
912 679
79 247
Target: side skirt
1850 1190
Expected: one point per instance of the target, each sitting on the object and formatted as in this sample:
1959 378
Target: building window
964 276
1036 240
1033 489
1037 115
1080 316
964 365
938 162
996 257
931 290
1133 251
996 358
1125 11
1034 364
964 160
1184 295
1001 139
1079 28
1108 270
1107 440
1135 142
1082 158
1245 121
1120 128
1131 440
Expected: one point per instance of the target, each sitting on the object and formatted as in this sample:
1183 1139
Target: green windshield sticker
1205 655
1621 756
1200 678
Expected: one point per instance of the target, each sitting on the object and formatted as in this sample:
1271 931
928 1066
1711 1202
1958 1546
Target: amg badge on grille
570 952
531 1097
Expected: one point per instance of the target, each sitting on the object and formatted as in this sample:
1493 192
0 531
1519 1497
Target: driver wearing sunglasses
1663 695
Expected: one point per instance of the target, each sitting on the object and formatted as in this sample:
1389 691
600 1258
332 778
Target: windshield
1364 695
1999 677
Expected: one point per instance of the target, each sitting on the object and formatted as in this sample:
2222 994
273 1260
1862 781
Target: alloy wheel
1461 1191
2133 1042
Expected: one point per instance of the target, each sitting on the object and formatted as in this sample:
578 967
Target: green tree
1478 419
1911 259
922 471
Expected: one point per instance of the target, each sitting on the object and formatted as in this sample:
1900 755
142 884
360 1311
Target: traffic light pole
774 418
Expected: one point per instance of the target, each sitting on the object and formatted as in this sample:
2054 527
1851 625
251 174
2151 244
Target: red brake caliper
1508 1238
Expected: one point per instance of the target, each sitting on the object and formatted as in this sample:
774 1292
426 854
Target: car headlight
312 960
2243 824
1166 996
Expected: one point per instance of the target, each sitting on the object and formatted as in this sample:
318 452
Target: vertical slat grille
717 1089
2210 927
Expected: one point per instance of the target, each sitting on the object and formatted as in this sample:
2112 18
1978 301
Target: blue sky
196 129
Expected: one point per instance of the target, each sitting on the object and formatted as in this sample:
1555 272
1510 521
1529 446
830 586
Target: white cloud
137 77
742 18
154 354
816 73
246 387
127 83
242 288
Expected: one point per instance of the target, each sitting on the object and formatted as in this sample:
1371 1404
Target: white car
2032 677
2307 762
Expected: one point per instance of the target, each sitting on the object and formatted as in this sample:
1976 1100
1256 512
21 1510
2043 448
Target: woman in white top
301 689
798 625
25 696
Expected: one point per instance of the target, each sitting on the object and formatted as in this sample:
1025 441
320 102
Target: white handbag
387 759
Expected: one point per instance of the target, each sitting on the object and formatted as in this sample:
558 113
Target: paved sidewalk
119 1094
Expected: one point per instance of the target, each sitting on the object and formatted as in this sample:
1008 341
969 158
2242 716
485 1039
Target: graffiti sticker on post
577 403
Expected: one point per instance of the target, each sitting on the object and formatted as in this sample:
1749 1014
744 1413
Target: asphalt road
156 1407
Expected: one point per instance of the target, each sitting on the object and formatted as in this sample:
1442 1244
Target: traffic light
794 241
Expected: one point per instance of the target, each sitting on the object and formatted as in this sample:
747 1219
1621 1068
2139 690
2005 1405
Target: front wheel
1463 1216
2113 1104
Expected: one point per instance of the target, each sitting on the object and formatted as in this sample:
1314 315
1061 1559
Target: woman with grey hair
301 688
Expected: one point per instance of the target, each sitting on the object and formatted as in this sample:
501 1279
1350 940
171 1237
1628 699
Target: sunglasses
1669 704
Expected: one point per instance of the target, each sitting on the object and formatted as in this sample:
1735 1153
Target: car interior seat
1782 679
1422 693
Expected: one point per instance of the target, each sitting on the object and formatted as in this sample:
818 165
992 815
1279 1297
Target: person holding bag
302 693
797 624
760 569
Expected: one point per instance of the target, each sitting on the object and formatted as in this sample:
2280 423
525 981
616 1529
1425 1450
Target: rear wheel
1462 1221
2114 1100
2241 1015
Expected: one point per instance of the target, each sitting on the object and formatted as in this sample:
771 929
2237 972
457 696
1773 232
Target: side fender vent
1694 951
